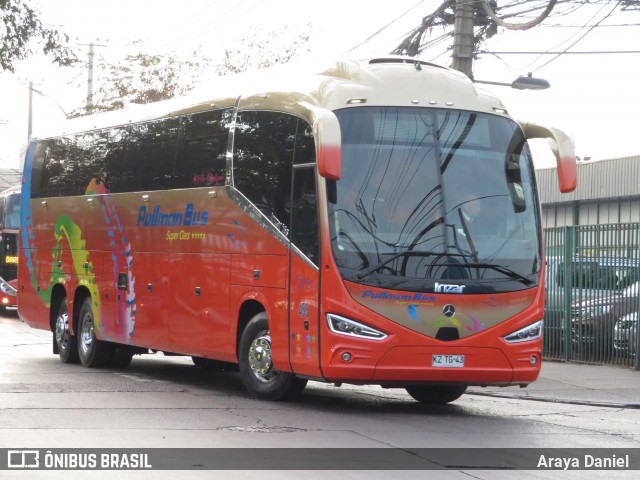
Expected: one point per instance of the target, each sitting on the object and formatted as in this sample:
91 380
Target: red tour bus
9 229
313 227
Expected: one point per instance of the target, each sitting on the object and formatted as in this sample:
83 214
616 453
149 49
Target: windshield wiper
408 253
499 268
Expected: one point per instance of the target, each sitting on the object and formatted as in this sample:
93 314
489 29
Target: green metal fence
593 294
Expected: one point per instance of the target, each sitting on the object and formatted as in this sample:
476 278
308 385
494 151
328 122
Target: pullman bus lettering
156 218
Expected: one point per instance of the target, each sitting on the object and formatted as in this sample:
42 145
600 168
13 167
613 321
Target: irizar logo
448 288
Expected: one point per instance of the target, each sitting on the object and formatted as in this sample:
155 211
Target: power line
367 40
562 52
584 35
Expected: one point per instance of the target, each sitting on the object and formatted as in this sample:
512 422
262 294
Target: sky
594 98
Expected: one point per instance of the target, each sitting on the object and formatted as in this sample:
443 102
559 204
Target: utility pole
463 39
30 114
30 118
91 46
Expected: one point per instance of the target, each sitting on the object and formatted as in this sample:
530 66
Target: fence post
567 273
636 277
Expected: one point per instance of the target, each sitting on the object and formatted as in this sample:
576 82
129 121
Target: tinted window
93 150
304 215
202 149
263 157
58 176
150 150
305 148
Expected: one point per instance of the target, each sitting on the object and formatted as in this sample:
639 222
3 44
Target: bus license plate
449 361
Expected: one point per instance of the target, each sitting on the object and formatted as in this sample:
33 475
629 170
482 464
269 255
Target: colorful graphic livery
373 223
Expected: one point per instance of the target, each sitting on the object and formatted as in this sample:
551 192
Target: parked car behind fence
591 312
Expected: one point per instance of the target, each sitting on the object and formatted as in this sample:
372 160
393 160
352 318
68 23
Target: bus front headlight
351 328
528 333
7 289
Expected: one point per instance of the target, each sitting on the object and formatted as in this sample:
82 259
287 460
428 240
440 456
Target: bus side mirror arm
562 147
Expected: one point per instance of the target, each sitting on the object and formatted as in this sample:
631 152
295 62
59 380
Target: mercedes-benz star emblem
448 310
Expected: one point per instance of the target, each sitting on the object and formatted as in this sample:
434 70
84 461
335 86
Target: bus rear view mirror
327 132
562 147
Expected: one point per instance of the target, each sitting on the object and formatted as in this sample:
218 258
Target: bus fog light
533 360
346 357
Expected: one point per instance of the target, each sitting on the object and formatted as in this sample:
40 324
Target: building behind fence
592 245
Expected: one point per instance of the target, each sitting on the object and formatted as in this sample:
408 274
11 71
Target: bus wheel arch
248 310
256 366
64 343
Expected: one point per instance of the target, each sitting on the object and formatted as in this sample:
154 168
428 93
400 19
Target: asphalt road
167 402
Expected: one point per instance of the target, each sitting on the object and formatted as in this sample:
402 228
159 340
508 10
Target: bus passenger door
304 283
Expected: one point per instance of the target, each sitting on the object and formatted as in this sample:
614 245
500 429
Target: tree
150 77
21 30
264 49
145 78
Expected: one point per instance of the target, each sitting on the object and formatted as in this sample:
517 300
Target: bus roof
397 81
10 190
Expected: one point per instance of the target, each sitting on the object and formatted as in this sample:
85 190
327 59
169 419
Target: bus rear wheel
436 394
66 345
256 364
92 352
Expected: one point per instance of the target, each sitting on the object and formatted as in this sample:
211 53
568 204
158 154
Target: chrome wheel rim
62 331
260 358
87 334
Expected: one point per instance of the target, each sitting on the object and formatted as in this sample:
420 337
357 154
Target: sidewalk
564 382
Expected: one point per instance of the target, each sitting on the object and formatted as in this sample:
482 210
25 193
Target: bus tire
121 357
66 345
93 353
256 368
436 394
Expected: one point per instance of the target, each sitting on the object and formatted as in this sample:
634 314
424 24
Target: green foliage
150 77
22 34
264 49
145 78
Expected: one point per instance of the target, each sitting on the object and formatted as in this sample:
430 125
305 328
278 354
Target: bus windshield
11 218
433 195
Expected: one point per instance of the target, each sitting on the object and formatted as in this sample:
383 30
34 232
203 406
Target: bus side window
56 169
304 215
263 157
150 155
202 150
92 149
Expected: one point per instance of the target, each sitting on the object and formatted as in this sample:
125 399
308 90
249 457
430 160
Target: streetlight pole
30 119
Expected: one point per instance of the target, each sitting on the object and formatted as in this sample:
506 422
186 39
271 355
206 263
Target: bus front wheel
256 364
436 394
93 352
65 342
